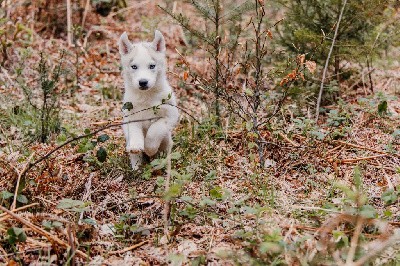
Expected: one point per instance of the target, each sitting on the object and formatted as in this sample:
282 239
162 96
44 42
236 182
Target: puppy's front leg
157 132
134 138
134 143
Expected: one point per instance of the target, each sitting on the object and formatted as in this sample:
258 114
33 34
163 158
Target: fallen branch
359 147
132 199
360 79
362 158
128 248
354 241
42 232
4 216
288 140
5 255
14 204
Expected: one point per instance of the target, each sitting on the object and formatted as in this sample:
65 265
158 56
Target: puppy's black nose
143 83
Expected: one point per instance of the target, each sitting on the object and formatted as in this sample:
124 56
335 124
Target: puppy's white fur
146 86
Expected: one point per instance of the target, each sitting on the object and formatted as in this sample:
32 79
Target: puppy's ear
125 45
159 42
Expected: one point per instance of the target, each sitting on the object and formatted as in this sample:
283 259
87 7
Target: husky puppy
148 95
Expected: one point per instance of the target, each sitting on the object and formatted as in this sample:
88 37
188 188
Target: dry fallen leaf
269 33
300 59
311 66
185 75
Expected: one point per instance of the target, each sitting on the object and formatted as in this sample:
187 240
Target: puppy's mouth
144 88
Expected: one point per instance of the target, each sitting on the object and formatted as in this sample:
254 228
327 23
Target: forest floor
228 210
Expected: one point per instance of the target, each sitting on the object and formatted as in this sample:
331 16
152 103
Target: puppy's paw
151 151
136 160
134 149
151 147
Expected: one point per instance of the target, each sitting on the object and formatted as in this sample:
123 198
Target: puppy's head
143 63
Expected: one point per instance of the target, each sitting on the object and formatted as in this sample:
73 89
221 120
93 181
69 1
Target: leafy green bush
309 25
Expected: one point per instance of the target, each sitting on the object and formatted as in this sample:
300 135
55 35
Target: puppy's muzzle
143 84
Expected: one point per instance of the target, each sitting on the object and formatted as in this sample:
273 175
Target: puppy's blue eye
152 66
134 67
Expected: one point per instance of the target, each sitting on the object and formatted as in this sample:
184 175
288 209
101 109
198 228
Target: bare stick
5 255
321 89
69 23
133 6
336 257
360 79
128 248
362 158
378 248
369 75
288 140
167 206
14 204
4 216
72 250
354 241
360 147
42 232
87 7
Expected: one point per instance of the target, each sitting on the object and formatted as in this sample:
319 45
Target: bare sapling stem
321 89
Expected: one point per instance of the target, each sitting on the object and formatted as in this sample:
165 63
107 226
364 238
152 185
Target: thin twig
360 79
81 137
128 248
4 216
5 255
14 204
288 140
167 206
132 199
87 7
336 257
378 248
321 89
354 241
133 6
42 232
359 146
315 208
362 158
157 106
69 23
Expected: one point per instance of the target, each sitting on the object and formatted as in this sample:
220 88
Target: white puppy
146 86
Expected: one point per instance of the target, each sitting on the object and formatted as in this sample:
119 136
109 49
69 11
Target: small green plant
310 25
44 99
6 197
72 205
88 145
127 228
16 235
220 39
